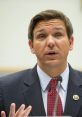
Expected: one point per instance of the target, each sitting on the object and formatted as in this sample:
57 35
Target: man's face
51 44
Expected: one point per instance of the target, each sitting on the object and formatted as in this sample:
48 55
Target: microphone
56 100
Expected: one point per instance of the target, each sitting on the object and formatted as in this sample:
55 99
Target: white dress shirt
44 81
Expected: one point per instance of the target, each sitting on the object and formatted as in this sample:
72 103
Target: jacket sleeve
2 107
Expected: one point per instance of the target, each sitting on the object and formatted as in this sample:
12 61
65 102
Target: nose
50 42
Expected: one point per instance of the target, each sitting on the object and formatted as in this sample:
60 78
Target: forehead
50 24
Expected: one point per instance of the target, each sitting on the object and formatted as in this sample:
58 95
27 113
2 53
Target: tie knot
53 83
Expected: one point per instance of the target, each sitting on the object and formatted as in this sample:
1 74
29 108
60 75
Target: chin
53 63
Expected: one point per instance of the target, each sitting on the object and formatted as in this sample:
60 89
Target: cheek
65 47
37 48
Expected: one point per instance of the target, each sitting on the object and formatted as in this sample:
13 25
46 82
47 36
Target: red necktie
52 94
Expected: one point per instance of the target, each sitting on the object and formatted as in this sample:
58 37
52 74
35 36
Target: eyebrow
55 28
59 28
41 30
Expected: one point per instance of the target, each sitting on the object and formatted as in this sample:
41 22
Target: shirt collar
45 79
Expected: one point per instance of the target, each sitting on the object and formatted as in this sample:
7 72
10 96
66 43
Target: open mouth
51 53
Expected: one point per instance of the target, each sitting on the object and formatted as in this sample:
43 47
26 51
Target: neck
53 71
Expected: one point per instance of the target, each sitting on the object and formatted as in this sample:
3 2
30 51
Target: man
50 39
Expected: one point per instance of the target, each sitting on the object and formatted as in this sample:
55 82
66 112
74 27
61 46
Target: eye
58 35
41 36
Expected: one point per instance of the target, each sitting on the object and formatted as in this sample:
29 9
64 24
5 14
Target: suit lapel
33 95
73 105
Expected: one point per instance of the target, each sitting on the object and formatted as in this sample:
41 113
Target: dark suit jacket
24 88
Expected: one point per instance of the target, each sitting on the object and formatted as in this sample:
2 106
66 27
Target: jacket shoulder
78 72
14 77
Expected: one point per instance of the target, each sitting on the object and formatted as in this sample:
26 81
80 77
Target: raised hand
21 112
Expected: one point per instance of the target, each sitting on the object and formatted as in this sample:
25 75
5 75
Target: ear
71 42
30 42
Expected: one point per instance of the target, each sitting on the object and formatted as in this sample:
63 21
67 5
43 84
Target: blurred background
15 16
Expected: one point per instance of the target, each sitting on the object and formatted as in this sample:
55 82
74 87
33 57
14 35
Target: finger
12 110
3 114
20 110
27 111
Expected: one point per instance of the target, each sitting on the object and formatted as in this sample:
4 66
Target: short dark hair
49 15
